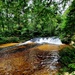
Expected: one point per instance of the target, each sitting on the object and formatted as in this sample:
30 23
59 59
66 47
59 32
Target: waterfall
42 40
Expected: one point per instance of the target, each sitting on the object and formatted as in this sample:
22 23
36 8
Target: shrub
8 39
67 59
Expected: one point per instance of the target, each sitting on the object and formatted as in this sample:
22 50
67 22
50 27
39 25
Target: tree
69 28
40 18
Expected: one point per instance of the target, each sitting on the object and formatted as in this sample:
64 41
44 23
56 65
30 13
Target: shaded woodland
25 19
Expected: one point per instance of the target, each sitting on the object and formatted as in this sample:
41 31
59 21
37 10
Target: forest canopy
26 19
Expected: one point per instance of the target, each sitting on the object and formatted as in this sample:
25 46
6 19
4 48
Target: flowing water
42 40
38 56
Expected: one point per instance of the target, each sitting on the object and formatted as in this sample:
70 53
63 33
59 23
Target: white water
50 60
41 40
54 61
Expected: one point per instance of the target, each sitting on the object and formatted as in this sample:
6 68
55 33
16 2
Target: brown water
31 59
7 45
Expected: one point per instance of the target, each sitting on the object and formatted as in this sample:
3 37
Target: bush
8 39
67 59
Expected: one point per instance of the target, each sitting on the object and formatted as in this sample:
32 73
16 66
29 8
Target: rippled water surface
30 59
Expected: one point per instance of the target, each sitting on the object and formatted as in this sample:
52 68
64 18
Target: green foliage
8 39
67 59
73 38
19 19
68 25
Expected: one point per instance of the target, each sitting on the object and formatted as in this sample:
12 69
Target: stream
38 56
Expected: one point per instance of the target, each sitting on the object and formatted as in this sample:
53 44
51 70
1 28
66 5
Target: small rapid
42 40
49 60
